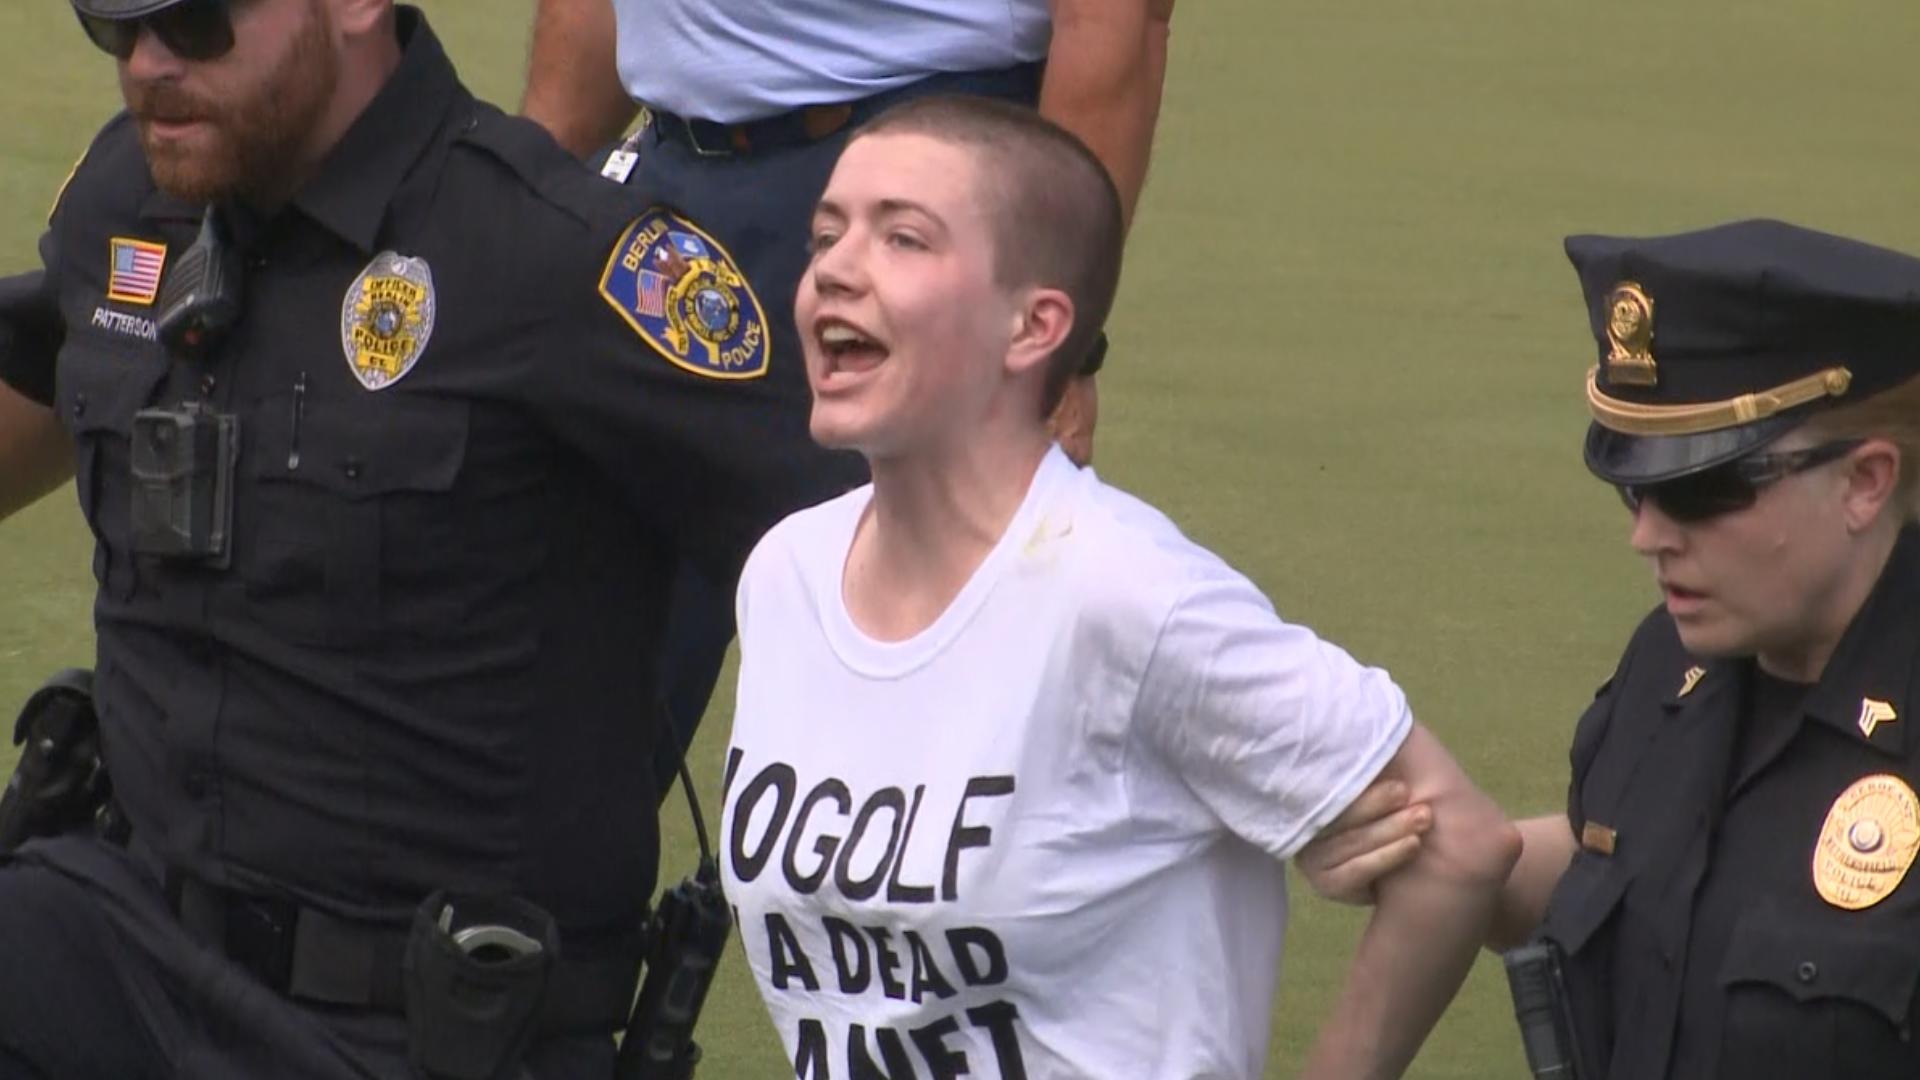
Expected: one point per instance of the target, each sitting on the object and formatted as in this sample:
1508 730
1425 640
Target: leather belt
710 138
811 123
306 953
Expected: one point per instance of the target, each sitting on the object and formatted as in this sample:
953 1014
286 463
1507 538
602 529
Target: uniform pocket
1812 999
1583 919
99 388
345 496
1584 902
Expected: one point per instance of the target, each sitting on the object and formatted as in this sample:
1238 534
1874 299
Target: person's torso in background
740 60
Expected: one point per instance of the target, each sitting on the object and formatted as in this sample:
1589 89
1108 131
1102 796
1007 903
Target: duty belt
811 123
311 955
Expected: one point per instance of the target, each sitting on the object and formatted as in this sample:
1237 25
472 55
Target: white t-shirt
1043 837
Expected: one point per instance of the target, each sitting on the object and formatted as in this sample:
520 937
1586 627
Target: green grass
1348 353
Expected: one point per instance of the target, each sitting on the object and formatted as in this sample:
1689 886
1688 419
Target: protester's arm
1381 832
1428 924
1106 68
573 82
36 455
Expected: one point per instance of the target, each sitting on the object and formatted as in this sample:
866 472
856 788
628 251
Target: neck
366 63
932 522
1805 660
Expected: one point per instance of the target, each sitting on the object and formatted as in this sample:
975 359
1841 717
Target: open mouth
848 349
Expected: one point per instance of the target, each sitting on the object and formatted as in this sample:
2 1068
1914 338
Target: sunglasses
190 30
1734 486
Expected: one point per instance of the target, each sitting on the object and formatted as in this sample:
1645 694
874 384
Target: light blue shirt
738 60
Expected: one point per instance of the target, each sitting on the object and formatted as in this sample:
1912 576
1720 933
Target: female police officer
1742 815
1728 888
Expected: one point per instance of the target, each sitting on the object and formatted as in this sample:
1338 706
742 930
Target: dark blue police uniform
459 482
1740 904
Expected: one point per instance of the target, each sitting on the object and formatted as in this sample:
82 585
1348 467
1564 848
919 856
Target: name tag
1598 838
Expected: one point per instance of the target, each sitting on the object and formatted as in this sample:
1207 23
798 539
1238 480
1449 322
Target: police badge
1630 333
681 291
387 318
1868 842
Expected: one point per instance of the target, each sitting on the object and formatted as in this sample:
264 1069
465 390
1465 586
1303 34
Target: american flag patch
135 270
652 298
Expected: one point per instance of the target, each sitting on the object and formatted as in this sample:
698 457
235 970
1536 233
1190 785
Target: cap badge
1873 714
387 319
1630 332
1868 842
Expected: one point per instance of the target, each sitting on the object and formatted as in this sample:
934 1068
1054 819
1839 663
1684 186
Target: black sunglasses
191 30
1736 485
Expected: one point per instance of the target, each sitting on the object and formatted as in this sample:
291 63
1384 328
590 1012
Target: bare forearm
1105 73
1549 846
573 81
35 454
1422 940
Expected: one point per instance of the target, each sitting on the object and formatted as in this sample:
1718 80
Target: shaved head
1055 211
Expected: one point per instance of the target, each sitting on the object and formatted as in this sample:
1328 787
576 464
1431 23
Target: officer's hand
1072 423
1372 838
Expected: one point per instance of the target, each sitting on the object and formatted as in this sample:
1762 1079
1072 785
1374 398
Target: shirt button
198 783
1807 971
351 467
79 406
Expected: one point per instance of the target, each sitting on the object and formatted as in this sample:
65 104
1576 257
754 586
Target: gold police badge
1630 332
1868 842
387 318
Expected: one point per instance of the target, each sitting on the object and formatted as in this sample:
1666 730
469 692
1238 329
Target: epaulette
526 149
120 121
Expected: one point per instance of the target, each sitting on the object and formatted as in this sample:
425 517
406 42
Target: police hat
1715 343
121 9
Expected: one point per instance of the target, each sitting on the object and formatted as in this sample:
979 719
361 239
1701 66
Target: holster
60 783
475 975
1545 1014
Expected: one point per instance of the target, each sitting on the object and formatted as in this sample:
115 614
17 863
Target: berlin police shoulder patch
682 292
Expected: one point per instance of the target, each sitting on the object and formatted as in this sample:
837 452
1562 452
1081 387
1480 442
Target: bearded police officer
383 478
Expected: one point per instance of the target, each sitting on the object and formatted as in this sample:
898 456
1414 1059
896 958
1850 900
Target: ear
1041 322
1872 474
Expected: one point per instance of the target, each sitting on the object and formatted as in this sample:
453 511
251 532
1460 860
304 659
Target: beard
247 141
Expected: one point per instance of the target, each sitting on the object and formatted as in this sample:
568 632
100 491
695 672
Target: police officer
748 103
1742 816
1729 889
384 472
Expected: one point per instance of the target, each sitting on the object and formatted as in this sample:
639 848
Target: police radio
183 457
201 299
690 928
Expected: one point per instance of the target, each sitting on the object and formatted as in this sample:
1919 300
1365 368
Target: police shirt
738 60
462 468
1740 903
1044 836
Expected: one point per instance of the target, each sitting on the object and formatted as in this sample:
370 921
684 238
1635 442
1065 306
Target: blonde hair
1893 415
